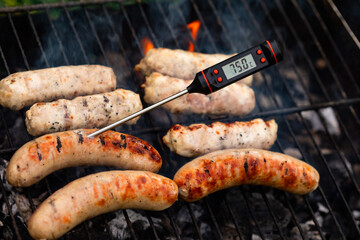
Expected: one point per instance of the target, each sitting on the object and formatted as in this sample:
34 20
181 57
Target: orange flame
146 44
194 28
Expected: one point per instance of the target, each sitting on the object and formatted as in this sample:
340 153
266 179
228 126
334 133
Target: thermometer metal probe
219 76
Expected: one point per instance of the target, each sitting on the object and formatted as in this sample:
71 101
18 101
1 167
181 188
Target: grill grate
309 81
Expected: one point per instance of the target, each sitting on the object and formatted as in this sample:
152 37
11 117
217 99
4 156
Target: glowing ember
194 28
146 44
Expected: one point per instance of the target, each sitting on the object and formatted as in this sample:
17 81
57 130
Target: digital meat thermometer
219 76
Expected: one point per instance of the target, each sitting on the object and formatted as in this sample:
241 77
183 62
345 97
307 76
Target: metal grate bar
219 22
306 199
206 29
301 230
218 231
37 38
96 36
132 30
334 46
343 21
319 47
76 35
271 213
153 38
167 23
228 206
57 37
188 205
252 213
116 35
132 232
169 214
152 225
185 23
18 41
56 5
5 63
10 212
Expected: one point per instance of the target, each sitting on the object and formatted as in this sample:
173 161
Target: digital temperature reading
239 66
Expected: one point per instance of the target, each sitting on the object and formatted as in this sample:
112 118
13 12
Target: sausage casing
198 139
179 63
23 89
236 99
46 154
233 167
93 111
99 193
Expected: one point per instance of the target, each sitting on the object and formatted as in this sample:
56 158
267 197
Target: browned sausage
198 139
46 154
226 168
99 193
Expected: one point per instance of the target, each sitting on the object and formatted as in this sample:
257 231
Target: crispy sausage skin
46 154
198 139
93 111
237 99
23 89
233 167
100 193
179 63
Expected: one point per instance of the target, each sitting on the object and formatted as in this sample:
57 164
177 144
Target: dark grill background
313 96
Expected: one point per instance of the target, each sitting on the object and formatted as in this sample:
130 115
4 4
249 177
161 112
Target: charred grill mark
102 141
304 173
192 128
51 202
39 155
137 146
66 115
246 166
81 138
58 144
176 127
264 160
268 123
123 141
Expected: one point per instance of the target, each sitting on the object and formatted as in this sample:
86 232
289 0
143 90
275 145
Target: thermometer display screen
239 66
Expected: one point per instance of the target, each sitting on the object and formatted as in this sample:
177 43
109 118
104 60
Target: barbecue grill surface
313 95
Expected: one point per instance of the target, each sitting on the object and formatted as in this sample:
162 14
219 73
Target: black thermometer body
235 68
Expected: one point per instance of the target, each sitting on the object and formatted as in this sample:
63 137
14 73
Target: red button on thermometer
219 76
